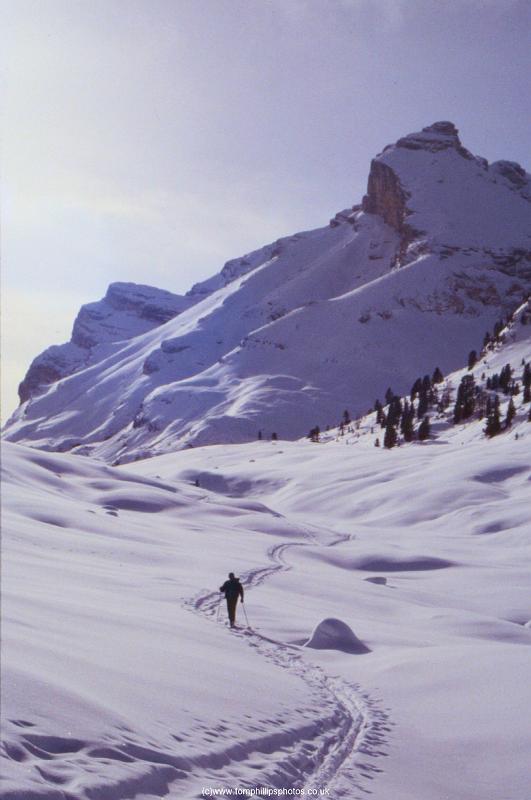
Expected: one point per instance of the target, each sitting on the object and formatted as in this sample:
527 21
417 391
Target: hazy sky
152 140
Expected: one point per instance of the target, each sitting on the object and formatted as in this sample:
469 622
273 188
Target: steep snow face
126 311
321 321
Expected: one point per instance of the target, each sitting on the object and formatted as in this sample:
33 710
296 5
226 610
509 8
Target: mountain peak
387 191
445 128
439 136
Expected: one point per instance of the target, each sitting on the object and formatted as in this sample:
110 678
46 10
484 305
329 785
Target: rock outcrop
434 138
385 196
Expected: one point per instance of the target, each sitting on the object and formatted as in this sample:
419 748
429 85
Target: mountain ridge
438 250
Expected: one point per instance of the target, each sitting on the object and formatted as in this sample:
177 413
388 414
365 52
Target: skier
233 589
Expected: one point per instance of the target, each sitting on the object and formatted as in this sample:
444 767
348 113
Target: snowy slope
119 681
126 311
511 348
297 331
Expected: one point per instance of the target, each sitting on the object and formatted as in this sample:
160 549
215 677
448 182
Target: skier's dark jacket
232 588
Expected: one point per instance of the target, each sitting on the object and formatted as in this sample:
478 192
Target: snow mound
333 634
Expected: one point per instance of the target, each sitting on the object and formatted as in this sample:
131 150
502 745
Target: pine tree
424 429
415 389
481 400
505 379
389 395
469 397
377 442
465 401
423 403
511 411
274 437
390 438
346 417
259 435
493 425
406 422
472 358
314 434
444 402
437 376
395 411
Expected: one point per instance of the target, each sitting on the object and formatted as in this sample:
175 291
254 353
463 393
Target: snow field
113 687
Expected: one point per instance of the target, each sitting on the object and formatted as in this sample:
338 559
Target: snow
384 645
106 671
120 680
292 334
334 634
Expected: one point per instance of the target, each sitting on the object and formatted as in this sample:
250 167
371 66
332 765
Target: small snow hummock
333 634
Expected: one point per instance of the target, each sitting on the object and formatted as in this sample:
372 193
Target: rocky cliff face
290 335
385 196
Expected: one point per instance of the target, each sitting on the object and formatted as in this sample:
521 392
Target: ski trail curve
360 724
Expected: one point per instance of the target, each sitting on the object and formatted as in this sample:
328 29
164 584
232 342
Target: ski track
357 737
337 748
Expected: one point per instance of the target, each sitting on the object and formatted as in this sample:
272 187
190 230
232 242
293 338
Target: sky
153 140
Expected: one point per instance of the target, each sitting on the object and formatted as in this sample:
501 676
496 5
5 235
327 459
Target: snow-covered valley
122 680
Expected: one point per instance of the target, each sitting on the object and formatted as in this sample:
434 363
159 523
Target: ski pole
219 610
245 612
